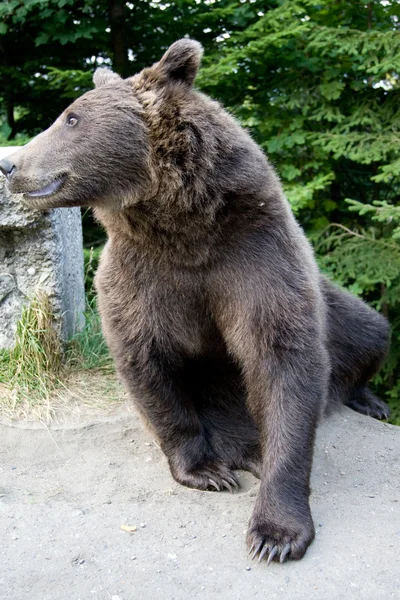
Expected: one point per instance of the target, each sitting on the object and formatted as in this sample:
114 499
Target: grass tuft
32 367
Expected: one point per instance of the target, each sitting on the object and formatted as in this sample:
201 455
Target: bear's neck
169 230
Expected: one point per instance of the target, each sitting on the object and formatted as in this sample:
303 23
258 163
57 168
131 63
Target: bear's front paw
268 540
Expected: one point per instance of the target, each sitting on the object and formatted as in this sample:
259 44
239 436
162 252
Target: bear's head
109 147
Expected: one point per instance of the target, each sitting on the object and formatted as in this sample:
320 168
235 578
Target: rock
7 283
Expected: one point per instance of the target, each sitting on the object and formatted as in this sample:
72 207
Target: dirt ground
66 490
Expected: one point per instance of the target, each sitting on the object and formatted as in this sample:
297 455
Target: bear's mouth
48 190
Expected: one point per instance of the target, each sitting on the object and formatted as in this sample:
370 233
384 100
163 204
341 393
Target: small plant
31 369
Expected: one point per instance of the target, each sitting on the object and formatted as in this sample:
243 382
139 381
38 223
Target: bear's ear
182 61
104 76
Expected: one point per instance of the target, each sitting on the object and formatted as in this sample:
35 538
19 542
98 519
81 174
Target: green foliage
49 48
367 261
71 82
19 140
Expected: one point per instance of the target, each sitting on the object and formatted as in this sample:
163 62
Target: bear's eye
72 121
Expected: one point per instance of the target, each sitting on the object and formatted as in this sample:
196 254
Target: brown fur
228 339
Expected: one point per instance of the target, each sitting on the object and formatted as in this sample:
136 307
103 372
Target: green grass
39 373
87 350
31 369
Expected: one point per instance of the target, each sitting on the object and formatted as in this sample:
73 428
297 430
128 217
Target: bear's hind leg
365 402
358 341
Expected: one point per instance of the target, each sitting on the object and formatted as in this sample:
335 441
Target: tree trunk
118 36
369 17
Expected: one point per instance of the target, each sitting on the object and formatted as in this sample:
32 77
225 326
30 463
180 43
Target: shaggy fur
228 339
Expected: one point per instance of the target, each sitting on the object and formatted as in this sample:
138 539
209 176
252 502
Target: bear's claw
211 477
272 542
214 484
265 550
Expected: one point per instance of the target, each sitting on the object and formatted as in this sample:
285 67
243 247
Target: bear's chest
141 301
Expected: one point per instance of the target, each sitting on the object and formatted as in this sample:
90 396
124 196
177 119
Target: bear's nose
7 167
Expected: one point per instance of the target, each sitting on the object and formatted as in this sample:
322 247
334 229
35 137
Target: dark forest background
315 82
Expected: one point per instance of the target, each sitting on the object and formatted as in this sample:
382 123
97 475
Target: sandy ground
65 491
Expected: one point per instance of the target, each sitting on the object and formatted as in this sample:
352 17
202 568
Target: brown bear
228 339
